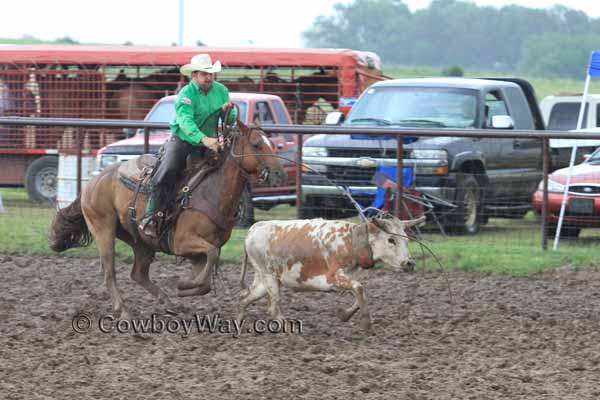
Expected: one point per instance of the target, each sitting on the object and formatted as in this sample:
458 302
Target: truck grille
344 175
356 153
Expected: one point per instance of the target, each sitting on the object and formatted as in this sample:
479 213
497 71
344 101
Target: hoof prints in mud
501 337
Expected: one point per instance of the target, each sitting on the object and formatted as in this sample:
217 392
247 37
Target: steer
319 255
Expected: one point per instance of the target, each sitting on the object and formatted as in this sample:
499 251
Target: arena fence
509 220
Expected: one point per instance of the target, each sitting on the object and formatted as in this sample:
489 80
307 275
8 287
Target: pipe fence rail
301 130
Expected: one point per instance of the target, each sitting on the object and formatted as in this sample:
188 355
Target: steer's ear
412 222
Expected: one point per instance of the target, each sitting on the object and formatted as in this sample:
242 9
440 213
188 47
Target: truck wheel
566 232
467 218
309 209
245 214
41 179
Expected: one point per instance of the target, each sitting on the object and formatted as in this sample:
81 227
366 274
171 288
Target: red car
583 200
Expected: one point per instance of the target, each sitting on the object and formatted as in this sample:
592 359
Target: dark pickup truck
481 177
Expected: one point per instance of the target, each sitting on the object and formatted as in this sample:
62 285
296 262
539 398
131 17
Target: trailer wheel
41 179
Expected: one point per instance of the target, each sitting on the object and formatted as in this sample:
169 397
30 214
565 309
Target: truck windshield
165 111
416 107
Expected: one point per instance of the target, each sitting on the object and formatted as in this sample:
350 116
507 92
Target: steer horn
412 222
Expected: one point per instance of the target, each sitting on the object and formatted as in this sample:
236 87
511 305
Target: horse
303 92
101 212
242 84
313 87
131 98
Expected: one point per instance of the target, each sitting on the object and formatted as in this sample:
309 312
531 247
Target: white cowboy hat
201 62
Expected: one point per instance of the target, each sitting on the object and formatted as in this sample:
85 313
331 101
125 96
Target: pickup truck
481 177
560 113
254 108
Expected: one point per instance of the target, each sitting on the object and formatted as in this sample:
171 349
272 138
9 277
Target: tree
454 70
559 56
453 32
66 40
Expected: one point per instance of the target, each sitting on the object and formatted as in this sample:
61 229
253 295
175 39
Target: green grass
503 246
543 87
13 195
507 246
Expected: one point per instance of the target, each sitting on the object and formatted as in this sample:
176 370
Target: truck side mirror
502 122
586 157
334 118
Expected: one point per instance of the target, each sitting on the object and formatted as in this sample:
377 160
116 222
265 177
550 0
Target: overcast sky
267 23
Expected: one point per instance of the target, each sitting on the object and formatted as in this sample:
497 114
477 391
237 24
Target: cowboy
194 128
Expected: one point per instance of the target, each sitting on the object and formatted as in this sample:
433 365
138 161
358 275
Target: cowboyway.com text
82 323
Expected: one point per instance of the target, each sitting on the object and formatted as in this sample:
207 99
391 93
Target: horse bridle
263 175
230 137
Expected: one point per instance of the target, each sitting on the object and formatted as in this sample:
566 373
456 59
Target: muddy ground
533 337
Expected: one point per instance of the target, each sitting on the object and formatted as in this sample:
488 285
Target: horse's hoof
185 285
204 289
342 314
172 311
366 325
196 291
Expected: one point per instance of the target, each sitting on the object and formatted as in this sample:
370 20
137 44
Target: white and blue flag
594 69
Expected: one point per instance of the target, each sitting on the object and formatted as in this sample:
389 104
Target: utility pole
180 42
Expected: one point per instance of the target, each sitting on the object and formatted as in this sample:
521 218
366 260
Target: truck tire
309 209
245 214
41 179
467 218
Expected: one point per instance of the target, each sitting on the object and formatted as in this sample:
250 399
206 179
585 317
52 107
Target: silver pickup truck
482 177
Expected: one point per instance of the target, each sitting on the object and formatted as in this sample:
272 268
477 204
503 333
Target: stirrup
149 224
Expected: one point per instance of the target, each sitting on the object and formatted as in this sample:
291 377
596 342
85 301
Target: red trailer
125 81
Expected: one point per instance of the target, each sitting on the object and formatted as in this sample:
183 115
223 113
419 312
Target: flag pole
573 153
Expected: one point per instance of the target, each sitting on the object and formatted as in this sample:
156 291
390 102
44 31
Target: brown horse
101 212
318 85
131 98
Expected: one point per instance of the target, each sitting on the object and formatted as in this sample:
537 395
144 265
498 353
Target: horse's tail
69 228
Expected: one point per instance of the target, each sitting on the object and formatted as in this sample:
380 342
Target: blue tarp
407 180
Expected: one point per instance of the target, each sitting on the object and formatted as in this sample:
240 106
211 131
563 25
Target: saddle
131 172
136 173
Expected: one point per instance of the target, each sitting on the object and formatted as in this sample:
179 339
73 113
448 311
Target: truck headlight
310 151
439 170
553 186
429 154
105 161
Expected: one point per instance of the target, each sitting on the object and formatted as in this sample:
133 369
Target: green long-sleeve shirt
193 107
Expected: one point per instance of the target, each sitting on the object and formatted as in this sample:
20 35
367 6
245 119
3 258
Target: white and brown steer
319 255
